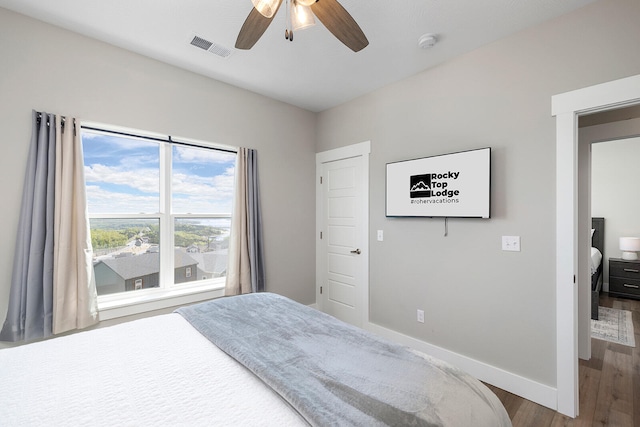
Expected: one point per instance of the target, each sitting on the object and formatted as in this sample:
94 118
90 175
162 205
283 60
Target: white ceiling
315 71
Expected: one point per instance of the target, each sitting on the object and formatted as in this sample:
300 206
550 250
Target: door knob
357 251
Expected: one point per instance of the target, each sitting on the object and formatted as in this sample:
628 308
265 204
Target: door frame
566 107
362 150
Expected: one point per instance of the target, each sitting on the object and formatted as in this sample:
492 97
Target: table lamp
629 247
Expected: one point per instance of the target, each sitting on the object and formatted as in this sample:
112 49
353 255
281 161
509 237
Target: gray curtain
52 290
246 268
254 219
31 296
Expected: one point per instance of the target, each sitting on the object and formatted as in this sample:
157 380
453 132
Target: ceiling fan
331 13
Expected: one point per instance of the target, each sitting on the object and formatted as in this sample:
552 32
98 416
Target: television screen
449 185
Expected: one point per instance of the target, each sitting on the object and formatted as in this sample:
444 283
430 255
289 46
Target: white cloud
102 201
145 180
192 193
204 194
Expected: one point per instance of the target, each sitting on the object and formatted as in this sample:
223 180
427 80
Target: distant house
217 243
211 264
128 273
185 268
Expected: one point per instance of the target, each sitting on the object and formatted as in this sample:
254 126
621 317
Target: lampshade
301 16
629 246
266 7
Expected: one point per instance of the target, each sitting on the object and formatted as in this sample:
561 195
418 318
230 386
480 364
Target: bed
597 255
274 362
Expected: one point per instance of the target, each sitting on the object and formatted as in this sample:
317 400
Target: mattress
150 372
596 259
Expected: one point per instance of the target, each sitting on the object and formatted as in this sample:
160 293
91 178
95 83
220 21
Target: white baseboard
314 305
531 390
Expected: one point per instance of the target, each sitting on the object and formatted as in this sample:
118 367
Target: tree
103 239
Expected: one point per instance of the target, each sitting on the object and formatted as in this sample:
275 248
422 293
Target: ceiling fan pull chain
290 4
288 34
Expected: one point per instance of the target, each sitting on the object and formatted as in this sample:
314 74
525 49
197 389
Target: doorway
566 108
612 134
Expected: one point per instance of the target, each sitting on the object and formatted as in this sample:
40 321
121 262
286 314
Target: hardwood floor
609 384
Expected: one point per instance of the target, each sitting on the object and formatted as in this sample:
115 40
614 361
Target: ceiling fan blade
340 23
254 26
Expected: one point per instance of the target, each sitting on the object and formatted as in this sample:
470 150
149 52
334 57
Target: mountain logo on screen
420 186
433 185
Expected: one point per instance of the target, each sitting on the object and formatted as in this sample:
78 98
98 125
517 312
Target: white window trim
138 304
113 306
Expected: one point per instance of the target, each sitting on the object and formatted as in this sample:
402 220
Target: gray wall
493 306
50 69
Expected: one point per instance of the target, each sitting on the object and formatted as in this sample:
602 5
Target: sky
122 176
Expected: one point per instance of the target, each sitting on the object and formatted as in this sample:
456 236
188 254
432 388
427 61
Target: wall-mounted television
455 185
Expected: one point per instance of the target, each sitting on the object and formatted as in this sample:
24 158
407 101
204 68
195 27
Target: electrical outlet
420 316
380 235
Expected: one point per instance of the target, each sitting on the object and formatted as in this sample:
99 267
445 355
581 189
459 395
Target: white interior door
343 250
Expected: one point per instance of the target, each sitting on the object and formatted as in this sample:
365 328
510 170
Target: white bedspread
596 259
151 372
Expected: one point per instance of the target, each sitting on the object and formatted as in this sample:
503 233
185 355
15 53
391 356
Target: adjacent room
228 149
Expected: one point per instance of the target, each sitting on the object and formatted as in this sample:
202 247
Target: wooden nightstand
624 278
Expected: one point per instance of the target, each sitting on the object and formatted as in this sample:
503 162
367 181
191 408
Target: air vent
201 43
214 48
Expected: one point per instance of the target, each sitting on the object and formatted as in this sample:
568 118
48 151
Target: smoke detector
427 41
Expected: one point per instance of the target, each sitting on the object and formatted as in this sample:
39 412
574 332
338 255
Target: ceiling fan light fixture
267 8
301 16
306 2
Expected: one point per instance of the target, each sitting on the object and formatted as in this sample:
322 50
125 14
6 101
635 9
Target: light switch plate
511 243
380 235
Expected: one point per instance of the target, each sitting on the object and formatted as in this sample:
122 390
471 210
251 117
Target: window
160 213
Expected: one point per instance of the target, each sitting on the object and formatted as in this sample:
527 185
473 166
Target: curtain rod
152 138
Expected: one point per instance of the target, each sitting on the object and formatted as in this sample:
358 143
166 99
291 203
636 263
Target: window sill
137 304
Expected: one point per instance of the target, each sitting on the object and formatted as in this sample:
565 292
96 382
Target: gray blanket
335 374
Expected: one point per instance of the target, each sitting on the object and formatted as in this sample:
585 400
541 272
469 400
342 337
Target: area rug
613 325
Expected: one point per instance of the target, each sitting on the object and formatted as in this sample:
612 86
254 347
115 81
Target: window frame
169 293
